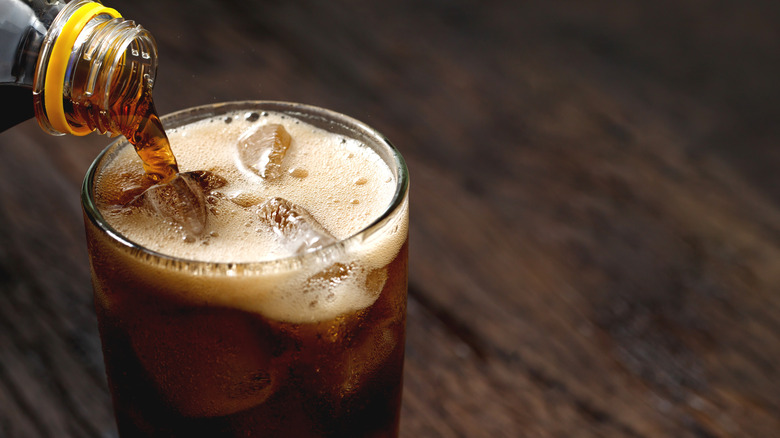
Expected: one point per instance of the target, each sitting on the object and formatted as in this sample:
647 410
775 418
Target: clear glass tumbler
190 349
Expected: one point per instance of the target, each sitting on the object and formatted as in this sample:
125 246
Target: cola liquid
283 317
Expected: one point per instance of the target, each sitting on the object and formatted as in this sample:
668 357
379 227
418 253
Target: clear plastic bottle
76 66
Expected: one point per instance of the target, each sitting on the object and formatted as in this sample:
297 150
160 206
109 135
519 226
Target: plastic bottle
76 66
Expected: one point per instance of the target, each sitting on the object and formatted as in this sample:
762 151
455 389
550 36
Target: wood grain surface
595 236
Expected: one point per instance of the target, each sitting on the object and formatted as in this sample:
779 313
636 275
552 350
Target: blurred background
595 236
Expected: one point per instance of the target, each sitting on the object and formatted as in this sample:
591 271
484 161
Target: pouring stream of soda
150 141
175 196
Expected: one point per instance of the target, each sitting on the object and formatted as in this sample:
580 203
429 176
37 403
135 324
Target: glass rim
201 112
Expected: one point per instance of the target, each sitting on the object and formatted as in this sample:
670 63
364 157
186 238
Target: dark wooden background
596 207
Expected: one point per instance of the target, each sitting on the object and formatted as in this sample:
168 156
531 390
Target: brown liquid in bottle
132 113
108 89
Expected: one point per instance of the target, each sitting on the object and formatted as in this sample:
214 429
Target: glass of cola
262 291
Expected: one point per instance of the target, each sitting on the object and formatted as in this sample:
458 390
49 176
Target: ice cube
207 180
361 350
256 385
299 232
330 276
262 149
322 284
180 200
375 281
120 189
366 355
211 377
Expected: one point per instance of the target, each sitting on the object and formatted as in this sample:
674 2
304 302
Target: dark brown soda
184 369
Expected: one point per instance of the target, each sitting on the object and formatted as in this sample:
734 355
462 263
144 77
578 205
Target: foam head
342 184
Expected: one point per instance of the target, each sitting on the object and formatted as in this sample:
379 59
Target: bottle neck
94 71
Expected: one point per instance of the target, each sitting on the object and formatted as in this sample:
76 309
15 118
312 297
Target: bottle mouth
122 64
53 64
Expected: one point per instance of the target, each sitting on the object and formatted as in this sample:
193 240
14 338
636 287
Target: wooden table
596 207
